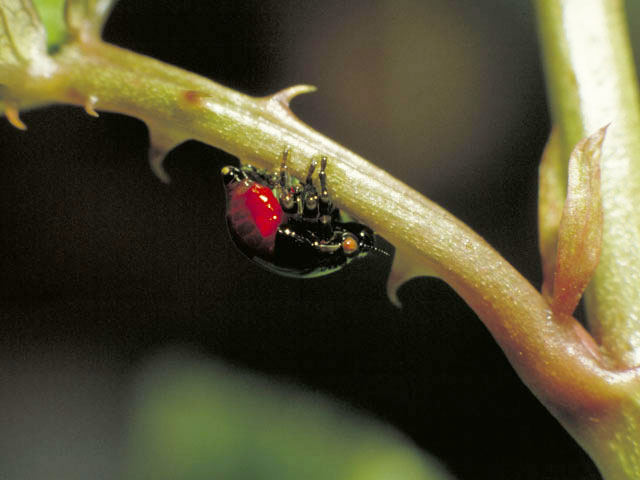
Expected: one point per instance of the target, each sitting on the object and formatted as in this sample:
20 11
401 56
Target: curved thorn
160 144
286 95
13 115
404 268
89 106
156 158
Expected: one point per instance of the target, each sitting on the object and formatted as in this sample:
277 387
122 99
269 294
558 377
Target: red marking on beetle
265 209
255 215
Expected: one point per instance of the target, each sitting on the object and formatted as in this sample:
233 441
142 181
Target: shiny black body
313 238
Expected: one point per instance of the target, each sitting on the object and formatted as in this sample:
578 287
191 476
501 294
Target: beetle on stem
286 225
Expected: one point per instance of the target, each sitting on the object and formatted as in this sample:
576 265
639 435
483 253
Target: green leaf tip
579 235
62 19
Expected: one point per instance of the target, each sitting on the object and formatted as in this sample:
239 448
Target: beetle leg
288 199
312 168
310 195
325 200
231 174
298 249
250 172
285 181
326 206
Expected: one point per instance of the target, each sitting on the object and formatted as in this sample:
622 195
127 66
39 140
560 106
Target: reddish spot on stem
193 97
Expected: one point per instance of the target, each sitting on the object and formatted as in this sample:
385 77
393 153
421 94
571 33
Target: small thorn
160 144
90 104
13 115
156 158
285 96
403 269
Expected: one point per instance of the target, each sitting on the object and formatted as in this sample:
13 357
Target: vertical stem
591 81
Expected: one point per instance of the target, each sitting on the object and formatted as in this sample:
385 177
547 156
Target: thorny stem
554 356
178 106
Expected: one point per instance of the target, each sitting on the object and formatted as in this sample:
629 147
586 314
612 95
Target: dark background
102 265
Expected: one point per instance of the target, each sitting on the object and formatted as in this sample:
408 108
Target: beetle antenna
377 250
383 252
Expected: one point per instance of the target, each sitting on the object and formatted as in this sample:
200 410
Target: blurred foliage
193 419
21 34
52 15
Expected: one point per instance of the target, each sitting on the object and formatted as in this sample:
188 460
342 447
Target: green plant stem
553 355
178 105
592 82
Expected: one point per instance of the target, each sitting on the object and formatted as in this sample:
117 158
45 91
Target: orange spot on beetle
349 245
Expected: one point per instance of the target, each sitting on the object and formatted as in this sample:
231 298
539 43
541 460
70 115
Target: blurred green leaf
192 419
77 17
52 15
22 36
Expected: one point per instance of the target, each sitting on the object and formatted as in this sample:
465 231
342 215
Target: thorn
403 269
89 106
160 144
285 96
156 158
13 115
88 102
